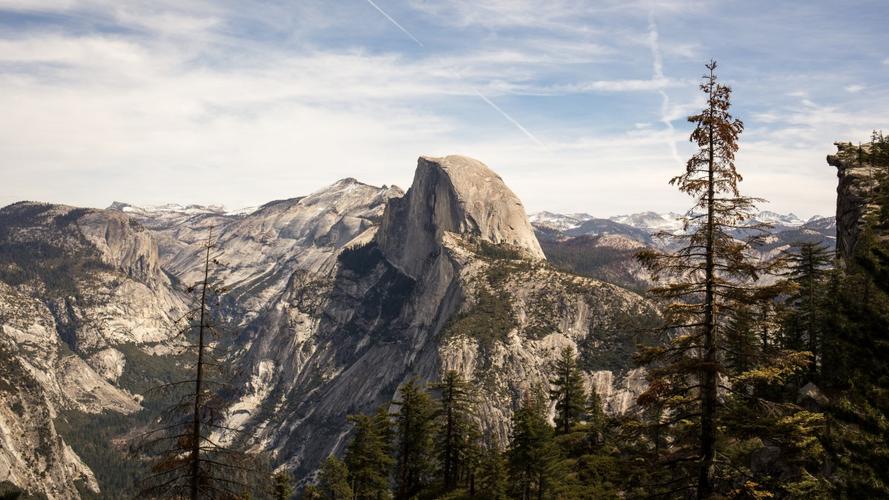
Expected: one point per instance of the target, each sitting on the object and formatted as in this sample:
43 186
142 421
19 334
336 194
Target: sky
580 106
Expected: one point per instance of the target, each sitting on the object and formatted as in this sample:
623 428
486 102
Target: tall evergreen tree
367 460
595 417
711 275
455 427
282 486
492 476
532 454
568 392
333 480
413 440
808 273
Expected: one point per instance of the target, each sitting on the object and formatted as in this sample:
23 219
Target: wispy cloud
854 88
657 74
103 96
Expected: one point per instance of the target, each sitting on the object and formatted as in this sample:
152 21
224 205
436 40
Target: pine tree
333 481
809 270
492 476
568 392
455 428
742 340
413 440
282 485
186 461
367 460
595 417
709 278
532 455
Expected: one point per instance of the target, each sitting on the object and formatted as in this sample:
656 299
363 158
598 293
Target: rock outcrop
39 377
857 179
459 195
74 283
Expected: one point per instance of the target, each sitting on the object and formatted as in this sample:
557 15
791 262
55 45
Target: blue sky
579 105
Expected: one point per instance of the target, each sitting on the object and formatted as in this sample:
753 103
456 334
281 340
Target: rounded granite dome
453 194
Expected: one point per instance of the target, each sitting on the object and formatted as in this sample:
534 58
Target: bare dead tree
187 450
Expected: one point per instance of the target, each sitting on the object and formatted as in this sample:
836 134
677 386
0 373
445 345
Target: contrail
393 21
511 119
488 101
657 73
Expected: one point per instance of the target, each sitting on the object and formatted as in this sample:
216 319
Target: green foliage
457 434
492 476
489 320
595 418
333 481
532 456
368 460
282 486
361 259
567 391
492 251
413 441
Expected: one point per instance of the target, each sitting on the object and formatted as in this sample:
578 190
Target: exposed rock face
73 284
259 251
856 182
411 303
123 244
453 194
39 377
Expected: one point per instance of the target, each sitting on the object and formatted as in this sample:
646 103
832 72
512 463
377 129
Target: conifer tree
492 476
595 417
532 454
568 392
282 486
455 428
188 460
809 265
742 342
413 440
333 480
711 276
367 460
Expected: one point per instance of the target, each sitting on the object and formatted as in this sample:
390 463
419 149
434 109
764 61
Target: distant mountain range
654 222
605 248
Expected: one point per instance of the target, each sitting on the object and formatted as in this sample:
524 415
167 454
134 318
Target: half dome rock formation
459 195
454 278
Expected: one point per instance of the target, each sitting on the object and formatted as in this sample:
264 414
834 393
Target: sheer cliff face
415 301
459 195
856 179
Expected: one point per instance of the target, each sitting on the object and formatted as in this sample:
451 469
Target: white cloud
180 98
854 88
